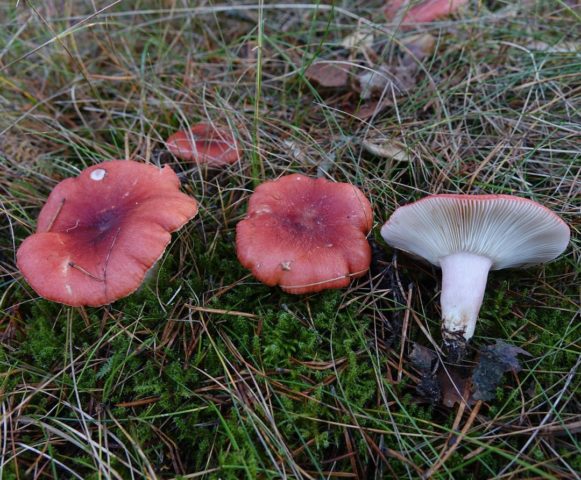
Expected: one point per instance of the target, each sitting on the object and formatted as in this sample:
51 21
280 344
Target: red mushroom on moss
305 234
205 144
99 233
469 235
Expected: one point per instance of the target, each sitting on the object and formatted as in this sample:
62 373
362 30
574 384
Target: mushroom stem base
464 278
455 345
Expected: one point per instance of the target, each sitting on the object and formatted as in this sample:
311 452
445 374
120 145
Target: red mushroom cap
305 235
99 233
204 143
431 10
426 11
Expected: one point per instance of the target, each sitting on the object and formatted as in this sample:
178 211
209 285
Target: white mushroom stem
463 283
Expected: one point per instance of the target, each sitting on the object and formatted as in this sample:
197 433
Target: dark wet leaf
429 387
426 361
453 386
328 74
423 358
495 360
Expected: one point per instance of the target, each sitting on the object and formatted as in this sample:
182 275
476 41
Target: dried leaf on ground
562 47
421 46
453 386
368 109
386 148
495 360
400 78
328 74
360 38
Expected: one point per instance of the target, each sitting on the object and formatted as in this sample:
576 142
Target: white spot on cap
98 174
65 266
264 209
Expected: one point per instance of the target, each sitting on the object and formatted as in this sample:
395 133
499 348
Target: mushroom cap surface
509 230
305 234
205 144
99 233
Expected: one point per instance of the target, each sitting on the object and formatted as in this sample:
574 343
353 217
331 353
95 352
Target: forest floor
206 373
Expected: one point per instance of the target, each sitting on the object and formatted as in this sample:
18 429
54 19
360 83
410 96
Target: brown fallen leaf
367 110
420 46
386 148
562 47
361 38
328 74
453 386
400 78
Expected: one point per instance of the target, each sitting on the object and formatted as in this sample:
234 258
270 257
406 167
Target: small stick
138 403
86 272
109 253
221 312
53 219
434 468
107 259
404 330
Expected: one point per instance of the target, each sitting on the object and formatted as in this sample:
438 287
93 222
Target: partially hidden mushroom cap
305 234
99 233
510 231
205 144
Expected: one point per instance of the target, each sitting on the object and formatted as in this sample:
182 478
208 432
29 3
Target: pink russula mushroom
468 235
99 233
305 234
205 144
427 11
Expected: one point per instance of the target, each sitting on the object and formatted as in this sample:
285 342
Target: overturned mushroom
305 234
205 144
99 233
468 235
